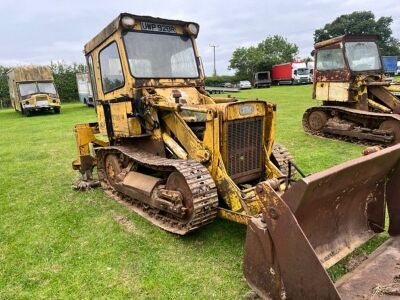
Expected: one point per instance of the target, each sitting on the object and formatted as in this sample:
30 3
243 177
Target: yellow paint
332 91
175 116
30 74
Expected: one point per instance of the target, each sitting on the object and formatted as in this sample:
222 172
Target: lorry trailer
389 65
84 89
290 73
262 79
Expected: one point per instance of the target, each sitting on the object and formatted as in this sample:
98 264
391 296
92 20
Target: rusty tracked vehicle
349 80
179 158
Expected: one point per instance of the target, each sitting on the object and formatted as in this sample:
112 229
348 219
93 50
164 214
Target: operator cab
339 60
135 52
349 54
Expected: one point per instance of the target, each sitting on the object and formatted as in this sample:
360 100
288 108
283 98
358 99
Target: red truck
290 73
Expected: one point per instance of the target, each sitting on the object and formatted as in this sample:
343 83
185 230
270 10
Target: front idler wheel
177 182
317 120
112 168
393 126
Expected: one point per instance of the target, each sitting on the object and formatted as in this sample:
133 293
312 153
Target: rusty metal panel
260 267
244 149
31 73
347 38
140 182
340 208
375 278
116 25
320 219
300 270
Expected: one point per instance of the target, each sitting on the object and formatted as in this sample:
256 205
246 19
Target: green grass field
58 243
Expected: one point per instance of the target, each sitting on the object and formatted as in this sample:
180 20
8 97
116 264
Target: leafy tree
273 50
219 80
4 94
65 79
362 22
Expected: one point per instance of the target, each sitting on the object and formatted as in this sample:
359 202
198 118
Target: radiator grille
41 98
244 153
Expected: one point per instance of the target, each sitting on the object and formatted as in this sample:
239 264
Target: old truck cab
32 89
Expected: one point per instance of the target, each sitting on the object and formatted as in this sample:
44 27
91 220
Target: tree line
245 61
64 80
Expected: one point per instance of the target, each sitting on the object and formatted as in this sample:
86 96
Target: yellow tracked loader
179 158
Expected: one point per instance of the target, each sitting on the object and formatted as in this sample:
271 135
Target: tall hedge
65 80
4 95
220 80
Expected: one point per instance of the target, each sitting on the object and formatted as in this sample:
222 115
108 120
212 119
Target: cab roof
116 24
347 38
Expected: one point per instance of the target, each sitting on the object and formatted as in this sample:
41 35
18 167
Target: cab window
110 67
330 59
92 77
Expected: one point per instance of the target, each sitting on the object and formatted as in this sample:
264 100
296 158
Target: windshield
160 55
330 59
363 56
36 87
303 71
263 76
27 88
47 87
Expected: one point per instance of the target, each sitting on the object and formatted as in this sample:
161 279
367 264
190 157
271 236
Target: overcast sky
44 30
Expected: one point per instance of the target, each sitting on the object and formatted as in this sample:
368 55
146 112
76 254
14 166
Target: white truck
310 67
290 73
84 89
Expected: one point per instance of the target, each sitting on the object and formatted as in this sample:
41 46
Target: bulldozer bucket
318 221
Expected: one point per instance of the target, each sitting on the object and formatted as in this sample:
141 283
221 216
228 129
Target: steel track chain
199 180
353 140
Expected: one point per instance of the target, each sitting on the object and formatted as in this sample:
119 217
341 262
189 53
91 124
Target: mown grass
58 243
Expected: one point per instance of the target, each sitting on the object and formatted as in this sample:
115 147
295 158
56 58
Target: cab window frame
92 75
192 41
334 47
101 72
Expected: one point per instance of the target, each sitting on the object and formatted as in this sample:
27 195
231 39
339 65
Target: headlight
192 29
27 102
127 22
